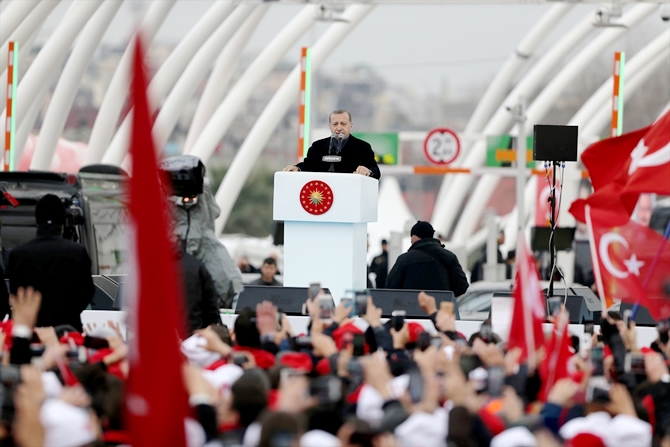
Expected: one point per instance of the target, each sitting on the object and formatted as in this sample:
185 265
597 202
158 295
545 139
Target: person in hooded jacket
427 265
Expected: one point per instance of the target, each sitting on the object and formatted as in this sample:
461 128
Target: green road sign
499 151
384 144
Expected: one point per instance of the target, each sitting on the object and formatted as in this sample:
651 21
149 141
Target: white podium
325 228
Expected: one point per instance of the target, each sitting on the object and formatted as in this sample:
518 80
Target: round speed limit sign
441 146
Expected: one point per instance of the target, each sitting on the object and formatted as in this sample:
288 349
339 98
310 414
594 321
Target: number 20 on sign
441 146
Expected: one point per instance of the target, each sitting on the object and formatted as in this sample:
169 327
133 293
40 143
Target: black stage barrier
578 307
395 299
291 299
287 299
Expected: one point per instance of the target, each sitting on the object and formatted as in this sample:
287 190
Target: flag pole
652 267
594 259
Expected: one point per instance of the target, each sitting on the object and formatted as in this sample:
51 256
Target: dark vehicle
96 211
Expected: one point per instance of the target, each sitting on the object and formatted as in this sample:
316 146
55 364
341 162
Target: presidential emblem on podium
316 197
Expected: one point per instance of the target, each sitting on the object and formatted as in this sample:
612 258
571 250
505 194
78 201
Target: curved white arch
541 106
287 94
24 34
638 69
218 125
40 75
195 72
449 202
117 90
497 90
221 75
13 15
184 72
500 85
68 84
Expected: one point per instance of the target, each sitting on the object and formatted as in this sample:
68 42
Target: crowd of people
350 381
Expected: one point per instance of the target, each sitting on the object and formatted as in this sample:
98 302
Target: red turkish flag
605 159
555 365
649 164
156 400
631 262
622 168
529 306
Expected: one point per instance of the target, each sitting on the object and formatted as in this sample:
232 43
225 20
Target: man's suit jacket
61 271
355 153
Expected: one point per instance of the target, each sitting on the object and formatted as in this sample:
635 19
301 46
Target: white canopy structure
207 54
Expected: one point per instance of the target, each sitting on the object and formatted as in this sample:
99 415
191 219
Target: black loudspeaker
554 143
642 318
394 299
105 293
287 299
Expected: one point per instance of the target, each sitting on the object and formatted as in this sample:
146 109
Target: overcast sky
423 46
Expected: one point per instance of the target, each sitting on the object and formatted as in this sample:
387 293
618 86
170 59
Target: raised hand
25 306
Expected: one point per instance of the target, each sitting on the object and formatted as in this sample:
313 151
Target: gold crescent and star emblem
316 197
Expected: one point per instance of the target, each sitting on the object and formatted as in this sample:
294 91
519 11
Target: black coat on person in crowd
354 153
427 265
4 297
58 268
199 293
380 267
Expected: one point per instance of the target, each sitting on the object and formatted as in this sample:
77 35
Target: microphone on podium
334 151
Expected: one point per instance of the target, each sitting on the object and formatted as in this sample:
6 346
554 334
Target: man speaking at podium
341 152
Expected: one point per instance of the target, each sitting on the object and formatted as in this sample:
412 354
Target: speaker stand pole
552 221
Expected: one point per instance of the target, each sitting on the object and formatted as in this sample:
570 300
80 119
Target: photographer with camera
195 212
58 268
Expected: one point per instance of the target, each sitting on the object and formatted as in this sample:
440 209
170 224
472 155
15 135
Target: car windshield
479 301
108 220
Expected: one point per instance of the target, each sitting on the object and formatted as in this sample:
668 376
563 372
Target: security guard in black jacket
427 265
58 268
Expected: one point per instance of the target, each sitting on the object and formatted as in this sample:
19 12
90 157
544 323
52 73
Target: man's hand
445 321
377 373
401 337
343 360
373 314
427 303
489 354
620 401
28 399
47 336
291 168
323 345
196 384
214 342
363 171
25 306
341 313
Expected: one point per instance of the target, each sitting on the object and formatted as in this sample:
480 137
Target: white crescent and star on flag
632 264
640 159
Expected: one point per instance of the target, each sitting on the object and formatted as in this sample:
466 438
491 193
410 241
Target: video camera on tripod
186 174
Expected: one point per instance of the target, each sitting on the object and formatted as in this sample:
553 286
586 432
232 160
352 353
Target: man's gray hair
337 112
